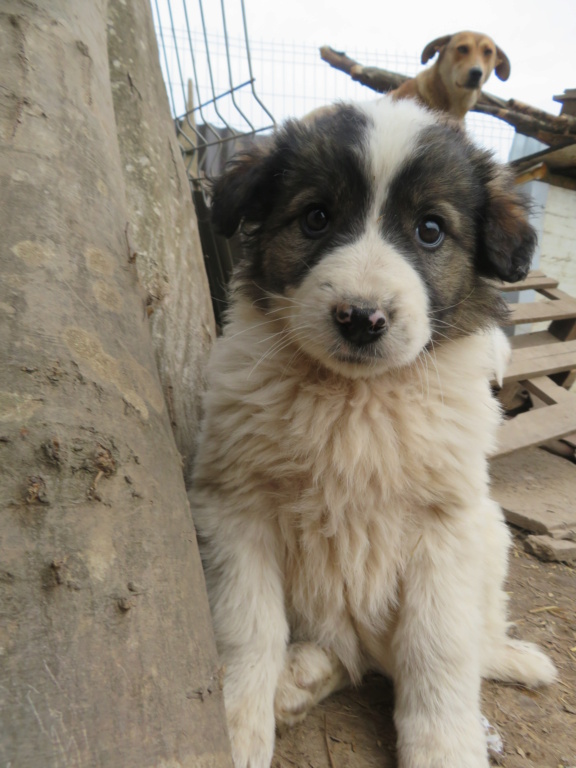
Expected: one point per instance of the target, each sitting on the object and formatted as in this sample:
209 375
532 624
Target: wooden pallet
543 363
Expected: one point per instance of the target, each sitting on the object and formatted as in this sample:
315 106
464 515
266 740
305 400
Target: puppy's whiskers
282 331
298 353
445 323
441 335
431 355
422 370
451 306
252 327
286 340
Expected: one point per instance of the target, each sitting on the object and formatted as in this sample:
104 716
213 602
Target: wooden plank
536 273
538 311
567 380
532 282
547 548
541 361
565 330
536 173
548 391
534 339
570 440
557 294
543 173
536 491
537 426
555 158
544 391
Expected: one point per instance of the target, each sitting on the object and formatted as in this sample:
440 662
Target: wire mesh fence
209 78
241 86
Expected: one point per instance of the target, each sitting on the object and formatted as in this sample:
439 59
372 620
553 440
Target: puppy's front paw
310 673
441 758
251 737
426 759
457 744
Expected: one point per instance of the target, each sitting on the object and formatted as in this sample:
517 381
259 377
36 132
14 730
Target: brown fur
449 84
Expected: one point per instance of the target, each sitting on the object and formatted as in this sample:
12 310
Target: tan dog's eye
463 49
488 52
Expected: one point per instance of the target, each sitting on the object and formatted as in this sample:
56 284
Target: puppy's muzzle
360 325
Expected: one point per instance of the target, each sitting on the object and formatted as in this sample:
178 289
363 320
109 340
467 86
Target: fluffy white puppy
341 489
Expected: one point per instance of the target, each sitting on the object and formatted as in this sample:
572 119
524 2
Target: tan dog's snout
475 75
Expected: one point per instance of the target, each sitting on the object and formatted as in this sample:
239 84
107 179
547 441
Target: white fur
345 509
502 354
398 131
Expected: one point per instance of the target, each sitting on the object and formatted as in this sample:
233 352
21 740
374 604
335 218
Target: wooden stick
327 740
380 80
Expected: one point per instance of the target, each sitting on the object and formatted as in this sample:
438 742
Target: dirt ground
354 729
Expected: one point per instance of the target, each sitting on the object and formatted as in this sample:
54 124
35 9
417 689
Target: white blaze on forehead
393 132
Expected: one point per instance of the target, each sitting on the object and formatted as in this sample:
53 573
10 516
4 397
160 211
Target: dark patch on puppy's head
265 192
245 189
484 221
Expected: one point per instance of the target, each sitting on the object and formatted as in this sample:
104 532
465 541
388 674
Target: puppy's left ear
507 240
503 67
243 192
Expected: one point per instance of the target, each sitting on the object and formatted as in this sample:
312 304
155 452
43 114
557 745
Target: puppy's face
467 60
369 230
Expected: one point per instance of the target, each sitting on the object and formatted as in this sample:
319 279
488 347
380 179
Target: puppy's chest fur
381 461
351 471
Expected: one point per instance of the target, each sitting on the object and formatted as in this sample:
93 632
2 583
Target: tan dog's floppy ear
503 66
432 48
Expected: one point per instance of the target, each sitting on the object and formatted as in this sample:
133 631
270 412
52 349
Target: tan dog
453 83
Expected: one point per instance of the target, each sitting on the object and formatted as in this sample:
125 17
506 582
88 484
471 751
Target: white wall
558 239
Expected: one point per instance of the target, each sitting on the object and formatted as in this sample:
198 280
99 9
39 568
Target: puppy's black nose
474 77
360 325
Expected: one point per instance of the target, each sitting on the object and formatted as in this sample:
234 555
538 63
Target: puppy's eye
488 52
463 49
315 221
429 233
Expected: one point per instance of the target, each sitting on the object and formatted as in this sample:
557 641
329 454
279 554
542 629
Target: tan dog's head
467 59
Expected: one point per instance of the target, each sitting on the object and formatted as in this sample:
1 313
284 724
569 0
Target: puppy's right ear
243 192
432 48
507 239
